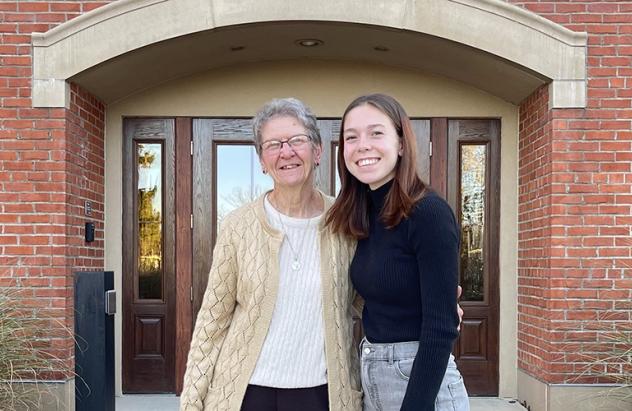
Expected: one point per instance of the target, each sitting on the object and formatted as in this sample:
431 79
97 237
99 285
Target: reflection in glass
337 180
239 177
149 220
473 185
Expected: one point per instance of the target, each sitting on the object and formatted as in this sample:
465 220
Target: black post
94 334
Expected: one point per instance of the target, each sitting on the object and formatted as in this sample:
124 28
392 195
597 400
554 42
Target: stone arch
506 50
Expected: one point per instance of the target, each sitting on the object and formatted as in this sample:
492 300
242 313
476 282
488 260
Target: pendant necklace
296 264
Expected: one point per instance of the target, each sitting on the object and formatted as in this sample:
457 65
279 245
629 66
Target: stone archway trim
497 28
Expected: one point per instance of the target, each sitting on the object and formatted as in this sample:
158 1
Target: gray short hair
290 107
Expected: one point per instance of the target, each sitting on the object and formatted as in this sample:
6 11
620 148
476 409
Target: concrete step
170 402
495 404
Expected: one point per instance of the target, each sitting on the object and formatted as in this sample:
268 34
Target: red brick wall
85 171
534 238
575 266
85 175
51 160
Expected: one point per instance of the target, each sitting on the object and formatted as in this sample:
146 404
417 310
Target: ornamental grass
25 363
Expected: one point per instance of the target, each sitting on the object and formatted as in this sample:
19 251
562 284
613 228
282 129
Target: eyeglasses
275 146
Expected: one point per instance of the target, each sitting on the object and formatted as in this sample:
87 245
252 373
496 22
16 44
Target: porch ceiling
159 62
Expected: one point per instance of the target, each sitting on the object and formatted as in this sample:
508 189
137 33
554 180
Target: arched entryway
442 38
494 46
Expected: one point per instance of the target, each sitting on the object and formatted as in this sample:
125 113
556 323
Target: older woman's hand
459 310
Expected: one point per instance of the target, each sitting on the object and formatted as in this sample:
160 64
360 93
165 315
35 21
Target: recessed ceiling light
309 42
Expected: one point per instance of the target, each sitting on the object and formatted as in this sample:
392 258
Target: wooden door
473 191
220 170
148 256
226 174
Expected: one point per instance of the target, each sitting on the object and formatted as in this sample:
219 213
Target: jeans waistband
388 351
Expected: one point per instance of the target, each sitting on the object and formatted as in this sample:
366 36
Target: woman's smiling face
371 145
291 166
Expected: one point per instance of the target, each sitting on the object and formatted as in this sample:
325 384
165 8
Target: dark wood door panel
472 189
422 129
473 342
439 157
184 295
476 374
149 341
149 256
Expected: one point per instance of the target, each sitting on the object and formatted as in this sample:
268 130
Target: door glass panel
239 177
334 160
150 241
473 186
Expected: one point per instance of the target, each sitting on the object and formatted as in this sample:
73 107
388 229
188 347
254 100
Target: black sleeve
434 236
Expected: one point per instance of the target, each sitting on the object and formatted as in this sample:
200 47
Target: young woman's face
371 145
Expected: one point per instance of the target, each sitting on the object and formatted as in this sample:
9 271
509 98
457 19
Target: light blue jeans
385 370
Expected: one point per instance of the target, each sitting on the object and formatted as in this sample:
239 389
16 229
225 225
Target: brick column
575 260
534 238
51 162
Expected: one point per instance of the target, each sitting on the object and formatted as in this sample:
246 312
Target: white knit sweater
296 330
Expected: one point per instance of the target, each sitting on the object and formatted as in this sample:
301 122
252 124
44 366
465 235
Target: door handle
110 302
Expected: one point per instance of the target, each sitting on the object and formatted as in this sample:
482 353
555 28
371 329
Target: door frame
186 152
184 242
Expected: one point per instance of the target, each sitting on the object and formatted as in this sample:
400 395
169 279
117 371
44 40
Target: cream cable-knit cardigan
237 308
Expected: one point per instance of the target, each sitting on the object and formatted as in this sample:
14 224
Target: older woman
274 331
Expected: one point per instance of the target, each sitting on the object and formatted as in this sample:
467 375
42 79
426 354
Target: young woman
405 266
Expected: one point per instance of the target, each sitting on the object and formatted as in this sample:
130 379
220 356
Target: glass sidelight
149 168
473 196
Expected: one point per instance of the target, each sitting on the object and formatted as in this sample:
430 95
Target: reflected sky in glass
239 177
150 171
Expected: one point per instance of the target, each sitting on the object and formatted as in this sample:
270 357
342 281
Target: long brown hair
349 214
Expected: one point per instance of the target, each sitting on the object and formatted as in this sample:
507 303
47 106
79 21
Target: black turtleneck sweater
408 277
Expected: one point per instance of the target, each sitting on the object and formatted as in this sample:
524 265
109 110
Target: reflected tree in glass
149 221
239 178
473 186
